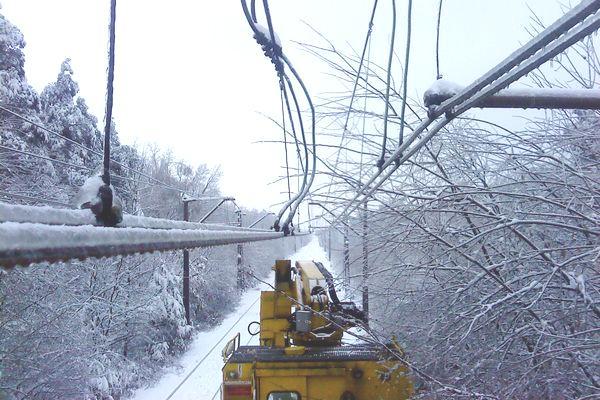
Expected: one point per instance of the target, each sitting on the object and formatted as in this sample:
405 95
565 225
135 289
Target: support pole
186 269
241 281
252 225
329 243
365 291
215 208
346 259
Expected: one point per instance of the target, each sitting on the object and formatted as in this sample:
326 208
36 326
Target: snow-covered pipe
26 243
588 99
55 216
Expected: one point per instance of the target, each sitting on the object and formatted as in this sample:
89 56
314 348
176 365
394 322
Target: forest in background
100 328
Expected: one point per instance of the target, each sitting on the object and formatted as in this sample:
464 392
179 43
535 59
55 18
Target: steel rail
26 243
53 216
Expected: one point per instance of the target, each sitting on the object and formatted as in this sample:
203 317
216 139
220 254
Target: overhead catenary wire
358 72
405 78
287 204
475 92
46 158
33 199
293 125
253 10
27 243
104 210
285 148
273 50
109 93
278 55
294 207
276 48
381 160
61 162
551 51
268 46
437 41
151 179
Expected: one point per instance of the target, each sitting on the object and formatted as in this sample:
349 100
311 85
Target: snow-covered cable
53 216
291 201
273 49
98 153
61 162
295 206
405 78
285 147
570 38
358 71
381 160
109 92
574 16
34 199
437 41
570 19
27 243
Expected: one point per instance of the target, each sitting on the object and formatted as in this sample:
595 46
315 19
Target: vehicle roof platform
359 352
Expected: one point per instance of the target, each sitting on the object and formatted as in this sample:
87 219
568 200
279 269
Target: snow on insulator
88 193
441 90
26 243
267 35
54 216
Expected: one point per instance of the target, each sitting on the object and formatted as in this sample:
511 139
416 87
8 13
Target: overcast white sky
189 76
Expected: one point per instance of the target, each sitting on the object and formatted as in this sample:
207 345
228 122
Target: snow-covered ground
204 382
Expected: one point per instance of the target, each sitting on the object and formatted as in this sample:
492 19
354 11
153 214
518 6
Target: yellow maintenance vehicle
301 356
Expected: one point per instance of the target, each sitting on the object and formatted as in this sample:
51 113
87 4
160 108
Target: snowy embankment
203 362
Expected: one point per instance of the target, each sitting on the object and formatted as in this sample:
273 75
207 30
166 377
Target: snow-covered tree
97 329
